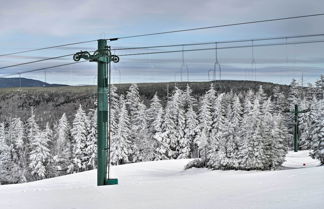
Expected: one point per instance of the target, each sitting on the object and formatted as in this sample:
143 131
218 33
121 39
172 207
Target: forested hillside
51 102
47 132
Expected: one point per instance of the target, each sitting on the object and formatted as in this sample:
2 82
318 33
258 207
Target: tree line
234 130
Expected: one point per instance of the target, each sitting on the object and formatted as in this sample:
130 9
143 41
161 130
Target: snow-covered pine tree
63 147
79 133
18 148
205 118
173 126
152 111
121 146
5 159
155 120
145 145
187 143
279 138
317 134
252 155
304 125
261 95
279 100
218 137
320 87
48 136
266 127
246 130
305 137
157 127
91 148
133 101
114 108
233 130
294 94
39 155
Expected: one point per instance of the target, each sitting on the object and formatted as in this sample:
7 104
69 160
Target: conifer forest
247 129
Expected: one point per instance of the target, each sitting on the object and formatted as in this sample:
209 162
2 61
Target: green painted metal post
296 125
103 57
296 129
102 117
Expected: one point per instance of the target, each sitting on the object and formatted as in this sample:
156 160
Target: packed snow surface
165 184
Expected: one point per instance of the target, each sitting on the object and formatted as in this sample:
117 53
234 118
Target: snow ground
165 185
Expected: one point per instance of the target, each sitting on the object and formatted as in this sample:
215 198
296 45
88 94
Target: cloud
61 18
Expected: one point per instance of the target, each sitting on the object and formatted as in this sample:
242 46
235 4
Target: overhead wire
177 51
45 48
221 48
221 42
36 61
218 26
177 45
40 69
169 32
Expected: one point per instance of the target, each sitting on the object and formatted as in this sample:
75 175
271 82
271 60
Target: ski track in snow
164 184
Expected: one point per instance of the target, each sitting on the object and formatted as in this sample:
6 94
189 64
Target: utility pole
103 57
296 125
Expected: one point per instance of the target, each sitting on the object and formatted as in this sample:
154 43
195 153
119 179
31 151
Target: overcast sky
32 24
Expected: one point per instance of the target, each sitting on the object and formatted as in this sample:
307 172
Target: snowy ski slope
164 185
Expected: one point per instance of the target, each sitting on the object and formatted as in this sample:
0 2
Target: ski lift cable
169 32
36 61
222 48
174 45
217 26
185 50
40 69
45 48
221 42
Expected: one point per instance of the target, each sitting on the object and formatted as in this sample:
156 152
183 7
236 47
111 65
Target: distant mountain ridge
24 82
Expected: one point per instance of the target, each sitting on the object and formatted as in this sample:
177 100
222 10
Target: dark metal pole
103 57
102 117
296 129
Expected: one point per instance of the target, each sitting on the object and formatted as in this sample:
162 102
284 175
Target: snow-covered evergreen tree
5 160
173 126
252 153
144 143
317 133
79 133
320 87
205 119
218 136
294 94
16 140
114 109
40 156
91 148
233 134
155 120
279 138
133 101
63 148
305 120
121 146
191 131
279 100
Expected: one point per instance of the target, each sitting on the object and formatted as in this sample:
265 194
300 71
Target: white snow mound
300 159
166 185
